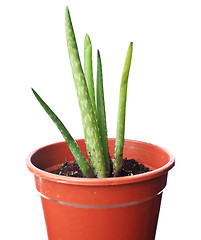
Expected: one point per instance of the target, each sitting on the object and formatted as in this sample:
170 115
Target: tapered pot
123 208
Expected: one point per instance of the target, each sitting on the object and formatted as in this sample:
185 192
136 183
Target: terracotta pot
121 208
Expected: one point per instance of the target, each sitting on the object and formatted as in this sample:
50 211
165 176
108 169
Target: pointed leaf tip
67 9
98 53
87 37
87 41
131 45
33 90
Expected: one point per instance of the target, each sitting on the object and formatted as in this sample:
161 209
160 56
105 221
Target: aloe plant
93 115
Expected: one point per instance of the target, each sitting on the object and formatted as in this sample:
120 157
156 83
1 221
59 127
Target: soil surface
130 168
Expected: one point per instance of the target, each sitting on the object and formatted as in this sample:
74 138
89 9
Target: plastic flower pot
108 208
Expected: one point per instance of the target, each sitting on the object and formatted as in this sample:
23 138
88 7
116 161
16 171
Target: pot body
110 208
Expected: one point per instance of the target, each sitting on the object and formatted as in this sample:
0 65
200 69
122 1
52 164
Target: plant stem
79 157
119 144
101 116
88 69
91 132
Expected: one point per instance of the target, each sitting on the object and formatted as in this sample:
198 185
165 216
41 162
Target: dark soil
130 168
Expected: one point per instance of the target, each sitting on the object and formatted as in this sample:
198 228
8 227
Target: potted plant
101 203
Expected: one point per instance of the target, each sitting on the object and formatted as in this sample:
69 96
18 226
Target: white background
163 97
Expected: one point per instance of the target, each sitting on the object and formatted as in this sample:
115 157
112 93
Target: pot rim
101 181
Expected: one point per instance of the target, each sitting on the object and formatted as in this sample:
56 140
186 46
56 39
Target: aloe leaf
119 144
79 157
90 126
88 69
101 116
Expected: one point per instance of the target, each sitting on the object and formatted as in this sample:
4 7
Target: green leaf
88 69
79 157
90 126
101 116
119 144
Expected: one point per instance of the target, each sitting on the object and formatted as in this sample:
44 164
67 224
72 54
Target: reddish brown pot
123 208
